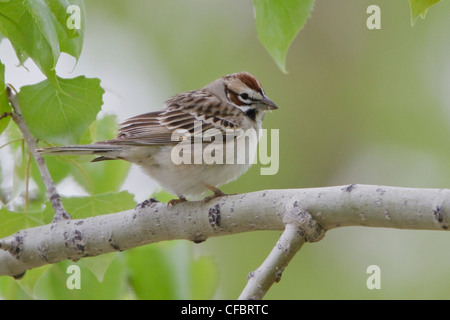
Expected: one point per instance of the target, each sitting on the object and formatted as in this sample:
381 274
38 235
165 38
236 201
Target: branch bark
303 214
301 228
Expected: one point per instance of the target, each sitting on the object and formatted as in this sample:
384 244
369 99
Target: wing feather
181 112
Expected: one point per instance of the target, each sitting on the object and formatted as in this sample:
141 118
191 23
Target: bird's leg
176 201
217 193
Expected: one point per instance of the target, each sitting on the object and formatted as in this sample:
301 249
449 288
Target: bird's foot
217 193
176 201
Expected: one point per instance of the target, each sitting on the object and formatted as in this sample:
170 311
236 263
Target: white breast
188 179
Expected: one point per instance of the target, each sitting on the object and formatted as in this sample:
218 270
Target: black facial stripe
251 113
234 97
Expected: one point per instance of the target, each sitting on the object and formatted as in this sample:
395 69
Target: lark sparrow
225 109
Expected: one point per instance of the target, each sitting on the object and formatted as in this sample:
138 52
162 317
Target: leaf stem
84 174
11 142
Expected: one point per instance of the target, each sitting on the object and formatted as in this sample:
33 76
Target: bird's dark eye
244 96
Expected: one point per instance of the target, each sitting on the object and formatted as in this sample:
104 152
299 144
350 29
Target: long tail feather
88 149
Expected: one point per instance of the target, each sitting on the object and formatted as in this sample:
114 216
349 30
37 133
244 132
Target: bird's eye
244 96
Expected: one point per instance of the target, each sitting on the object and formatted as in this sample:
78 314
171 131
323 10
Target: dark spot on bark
349 188
17 246
146 203
42 251
77 235
74 240
214 216
440 216
113 244
278 276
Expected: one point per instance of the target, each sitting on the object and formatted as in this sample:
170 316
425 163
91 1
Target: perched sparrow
200 140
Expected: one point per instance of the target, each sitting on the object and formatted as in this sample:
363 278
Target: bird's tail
104 151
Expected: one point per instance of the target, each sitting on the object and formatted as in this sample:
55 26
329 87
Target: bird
200 139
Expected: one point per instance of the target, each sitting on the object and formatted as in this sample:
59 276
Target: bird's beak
268 104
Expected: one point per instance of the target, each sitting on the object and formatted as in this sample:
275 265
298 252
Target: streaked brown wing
144 129
185 111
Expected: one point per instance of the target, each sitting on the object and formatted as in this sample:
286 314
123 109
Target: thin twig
260 280
55 199
5 114
27 181
301 228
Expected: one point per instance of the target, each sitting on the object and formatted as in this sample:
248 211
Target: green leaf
152 275
84 207
28 25
277 24
204 278
102 129
28 282
163 196
419 8
12 13
37 29
4 104
61 115
168 270
101 177
99 265
11 290
70 39
11 222
53 284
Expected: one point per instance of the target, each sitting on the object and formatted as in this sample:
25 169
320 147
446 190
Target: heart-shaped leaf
61 115
277 24
37 29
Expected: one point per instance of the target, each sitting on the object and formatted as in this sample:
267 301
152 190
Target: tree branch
303 214
55 199
301 228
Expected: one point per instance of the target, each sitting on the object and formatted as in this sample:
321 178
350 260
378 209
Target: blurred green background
357 106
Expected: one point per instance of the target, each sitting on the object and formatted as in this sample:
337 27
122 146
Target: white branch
301 228
303 214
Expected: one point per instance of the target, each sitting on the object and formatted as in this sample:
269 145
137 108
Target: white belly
189 179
